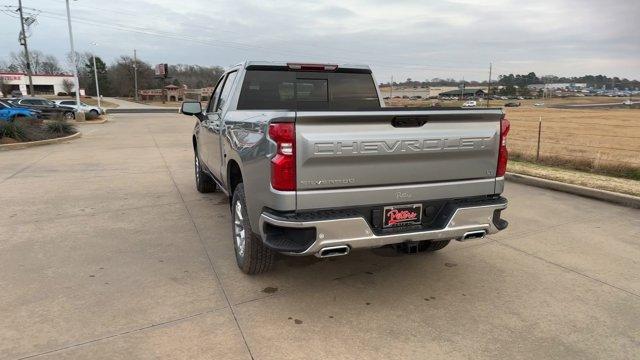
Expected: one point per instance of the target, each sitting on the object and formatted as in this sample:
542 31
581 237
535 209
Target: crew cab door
212 125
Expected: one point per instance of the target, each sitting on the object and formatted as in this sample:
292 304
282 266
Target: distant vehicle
50 110
469 103
414 98
10 113
538 104
84 107
8 103
16 93
512 104
627 102
520 98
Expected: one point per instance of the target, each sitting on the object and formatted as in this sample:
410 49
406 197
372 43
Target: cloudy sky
405 38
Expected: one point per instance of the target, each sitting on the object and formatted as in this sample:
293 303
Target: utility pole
95 73
391 91
489 85
462 89
135 75
23 42
79 114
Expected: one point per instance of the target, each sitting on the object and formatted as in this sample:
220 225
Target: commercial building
42 84
467 93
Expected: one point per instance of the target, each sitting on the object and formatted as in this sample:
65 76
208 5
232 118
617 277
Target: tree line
115 79
522 80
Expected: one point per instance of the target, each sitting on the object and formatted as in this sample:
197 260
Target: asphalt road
108 252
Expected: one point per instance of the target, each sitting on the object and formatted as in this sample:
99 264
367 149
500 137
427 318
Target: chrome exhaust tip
478 234
332 251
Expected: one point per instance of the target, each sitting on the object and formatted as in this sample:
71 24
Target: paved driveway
107 251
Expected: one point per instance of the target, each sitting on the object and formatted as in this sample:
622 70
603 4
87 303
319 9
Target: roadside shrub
90 115
60 128
14 130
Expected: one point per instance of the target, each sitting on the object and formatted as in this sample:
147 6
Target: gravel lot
107 252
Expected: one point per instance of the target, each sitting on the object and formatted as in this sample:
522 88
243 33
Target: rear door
392 147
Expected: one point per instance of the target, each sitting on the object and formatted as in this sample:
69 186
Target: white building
42 84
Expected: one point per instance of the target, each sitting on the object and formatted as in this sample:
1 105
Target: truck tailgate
395 147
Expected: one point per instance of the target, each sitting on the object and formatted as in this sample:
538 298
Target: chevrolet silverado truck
313 163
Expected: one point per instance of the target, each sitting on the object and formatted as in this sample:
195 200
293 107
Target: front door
212 125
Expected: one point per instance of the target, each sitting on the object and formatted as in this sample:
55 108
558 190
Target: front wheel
69 116
252 256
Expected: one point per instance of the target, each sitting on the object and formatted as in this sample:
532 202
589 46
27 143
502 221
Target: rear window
290 90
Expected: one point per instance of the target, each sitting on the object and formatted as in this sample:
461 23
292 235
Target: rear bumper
355 232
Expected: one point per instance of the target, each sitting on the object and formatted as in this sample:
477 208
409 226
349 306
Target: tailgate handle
408 121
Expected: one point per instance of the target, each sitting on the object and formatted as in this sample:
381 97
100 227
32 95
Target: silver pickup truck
314 164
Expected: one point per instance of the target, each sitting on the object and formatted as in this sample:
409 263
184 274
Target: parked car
470 103
310 174
538 104
50 110
32 113
512 104
83 107
627 102
10 113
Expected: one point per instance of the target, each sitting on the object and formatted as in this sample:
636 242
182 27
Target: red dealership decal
399 216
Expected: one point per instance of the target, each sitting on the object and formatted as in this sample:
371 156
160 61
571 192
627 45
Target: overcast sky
404 38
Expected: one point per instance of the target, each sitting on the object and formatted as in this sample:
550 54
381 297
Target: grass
23 130
60 128
602 182
597 140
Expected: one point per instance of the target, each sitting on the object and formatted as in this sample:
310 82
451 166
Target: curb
609 196
89 122
143 110
29 144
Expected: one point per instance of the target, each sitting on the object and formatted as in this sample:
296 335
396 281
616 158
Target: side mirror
191 108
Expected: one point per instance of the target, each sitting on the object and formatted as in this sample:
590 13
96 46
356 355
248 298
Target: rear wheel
252 256
432 245
204 183
68 116
95 113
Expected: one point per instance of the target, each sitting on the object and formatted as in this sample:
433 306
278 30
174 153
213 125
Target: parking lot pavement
107 251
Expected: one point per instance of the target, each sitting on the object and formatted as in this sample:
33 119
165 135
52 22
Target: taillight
283 164
503 154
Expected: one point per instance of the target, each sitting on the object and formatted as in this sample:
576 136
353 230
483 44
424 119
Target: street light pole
79 114
95 73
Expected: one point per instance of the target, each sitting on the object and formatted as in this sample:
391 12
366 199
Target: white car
469 103
84 107
627 102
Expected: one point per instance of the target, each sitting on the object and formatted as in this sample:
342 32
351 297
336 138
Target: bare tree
40 63
50 66
67 85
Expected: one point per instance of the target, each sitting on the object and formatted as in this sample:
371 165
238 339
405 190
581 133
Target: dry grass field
598 140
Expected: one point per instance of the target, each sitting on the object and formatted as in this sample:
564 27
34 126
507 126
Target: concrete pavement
108 252
125 104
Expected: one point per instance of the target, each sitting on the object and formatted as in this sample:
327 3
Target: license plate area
401 215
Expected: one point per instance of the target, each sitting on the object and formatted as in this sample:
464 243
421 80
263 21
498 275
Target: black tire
428 246
68 116
252 256
204 183
95 113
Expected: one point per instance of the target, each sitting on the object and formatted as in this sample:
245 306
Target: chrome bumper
356 233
